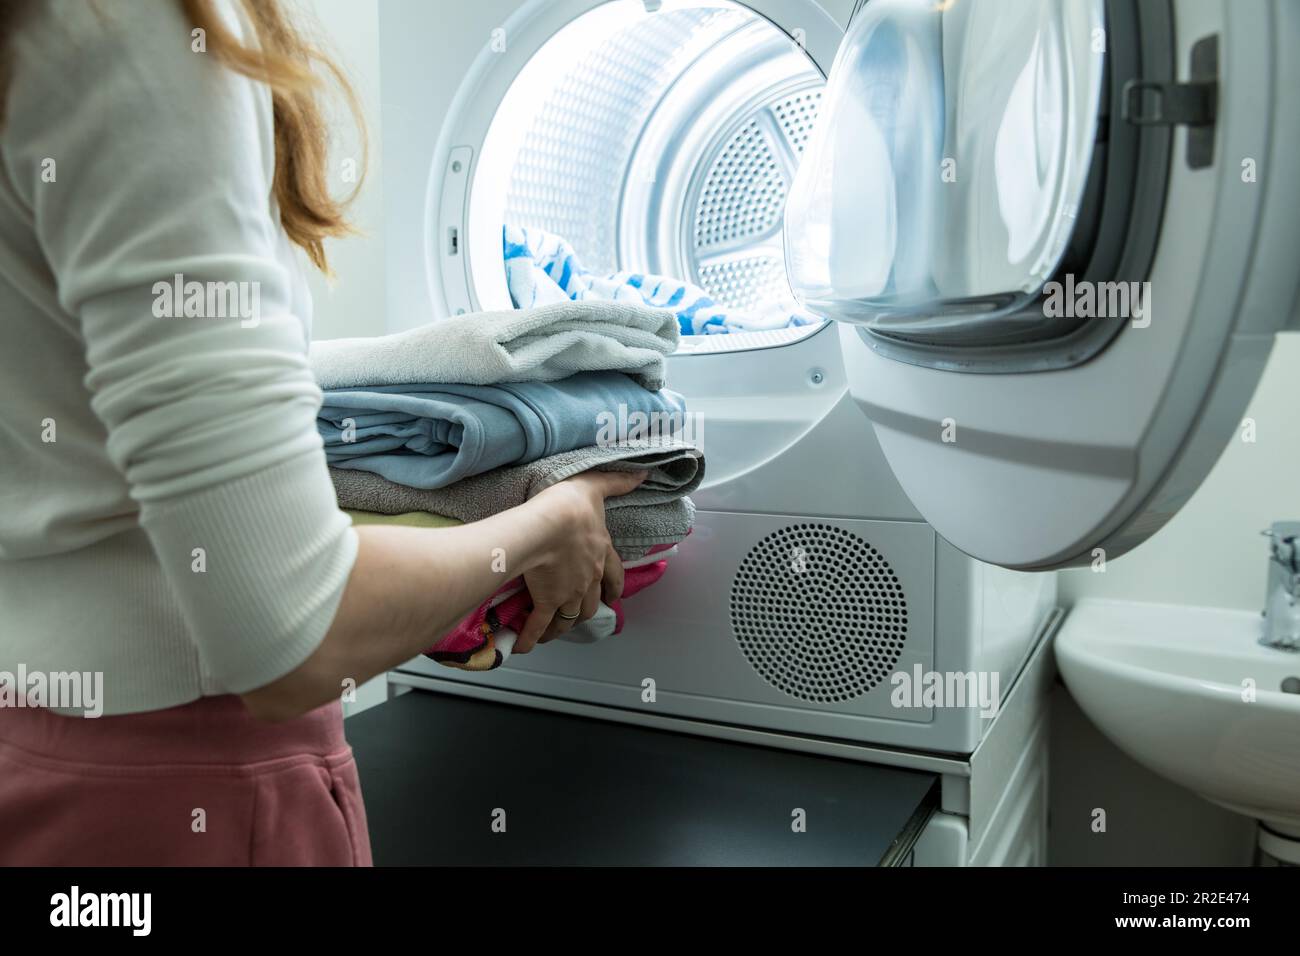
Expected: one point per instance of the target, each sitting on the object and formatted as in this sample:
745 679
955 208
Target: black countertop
436 769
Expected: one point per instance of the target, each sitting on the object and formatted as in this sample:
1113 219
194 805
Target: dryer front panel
794 623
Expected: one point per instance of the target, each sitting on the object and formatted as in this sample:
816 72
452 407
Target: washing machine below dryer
664 137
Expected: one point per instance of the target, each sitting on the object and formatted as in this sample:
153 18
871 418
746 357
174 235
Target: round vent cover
819 613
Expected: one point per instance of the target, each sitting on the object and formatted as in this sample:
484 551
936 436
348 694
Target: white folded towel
488 348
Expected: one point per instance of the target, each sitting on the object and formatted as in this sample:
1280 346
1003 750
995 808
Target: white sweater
166 517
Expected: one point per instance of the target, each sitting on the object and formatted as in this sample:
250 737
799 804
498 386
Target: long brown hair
296 69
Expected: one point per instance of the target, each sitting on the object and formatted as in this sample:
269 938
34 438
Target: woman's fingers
585 562
590 602
611 585
570 616
611 484
539 621
565 618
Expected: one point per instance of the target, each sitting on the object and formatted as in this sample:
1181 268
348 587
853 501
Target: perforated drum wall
572 173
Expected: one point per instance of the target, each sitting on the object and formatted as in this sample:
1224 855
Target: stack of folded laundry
458 420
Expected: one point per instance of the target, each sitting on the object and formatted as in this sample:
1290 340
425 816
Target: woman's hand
389 612
577 568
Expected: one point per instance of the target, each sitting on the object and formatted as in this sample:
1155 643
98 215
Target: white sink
1168 684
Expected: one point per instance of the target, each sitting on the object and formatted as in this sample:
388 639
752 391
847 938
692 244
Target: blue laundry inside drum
542 268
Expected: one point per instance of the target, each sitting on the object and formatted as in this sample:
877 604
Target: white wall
354 303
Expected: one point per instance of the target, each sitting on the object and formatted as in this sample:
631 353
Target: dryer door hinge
1194 104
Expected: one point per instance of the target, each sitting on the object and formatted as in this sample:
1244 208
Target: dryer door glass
944 195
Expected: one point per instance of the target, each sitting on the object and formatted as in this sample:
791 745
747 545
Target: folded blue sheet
429 436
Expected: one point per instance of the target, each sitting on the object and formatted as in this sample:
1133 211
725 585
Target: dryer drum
669 147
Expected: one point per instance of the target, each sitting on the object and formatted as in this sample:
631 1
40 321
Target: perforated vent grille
819 613
745 283
744 194
797 115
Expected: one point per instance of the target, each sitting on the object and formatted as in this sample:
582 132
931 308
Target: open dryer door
1059 239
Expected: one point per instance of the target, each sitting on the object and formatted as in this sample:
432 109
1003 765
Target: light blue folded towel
542 269
429 436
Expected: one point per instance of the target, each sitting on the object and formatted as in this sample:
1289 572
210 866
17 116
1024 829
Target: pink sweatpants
203 784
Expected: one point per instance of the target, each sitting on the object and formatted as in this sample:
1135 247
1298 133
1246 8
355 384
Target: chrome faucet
1282 602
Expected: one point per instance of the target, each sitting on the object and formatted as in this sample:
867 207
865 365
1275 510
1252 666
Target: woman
167 519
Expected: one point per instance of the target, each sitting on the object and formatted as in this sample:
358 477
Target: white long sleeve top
166 518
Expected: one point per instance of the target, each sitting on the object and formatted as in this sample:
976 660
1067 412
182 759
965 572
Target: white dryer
829 555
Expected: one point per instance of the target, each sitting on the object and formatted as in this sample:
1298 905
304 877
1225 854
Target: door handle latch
1170 104
1194 104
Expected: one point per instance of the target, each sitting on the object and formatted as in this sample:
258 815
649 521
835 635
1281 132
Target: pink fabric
469 635
125 790
513 612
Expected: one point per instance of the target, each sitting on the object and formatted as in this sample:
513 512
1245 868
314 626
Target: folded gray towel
488 348
656 512
634 531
